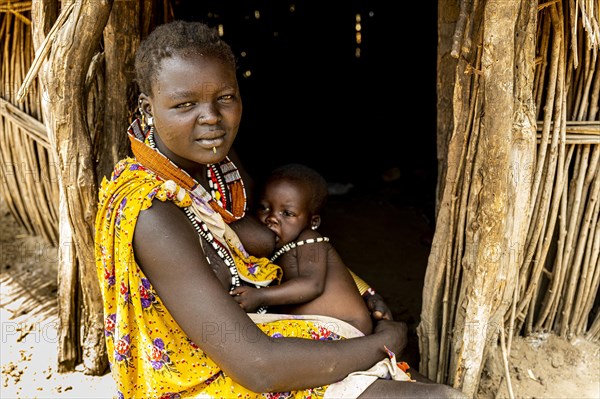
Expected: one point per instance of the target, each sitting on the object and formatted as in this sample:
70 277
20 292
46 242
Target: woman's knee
397 389
446 391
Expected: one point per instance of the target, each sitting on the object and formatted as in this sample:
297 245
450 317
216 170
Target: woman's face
284 208
197 109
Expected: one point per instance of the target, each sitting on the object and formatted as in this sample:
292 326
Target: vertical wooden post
493 235
63 78
44 14
482 220
121 40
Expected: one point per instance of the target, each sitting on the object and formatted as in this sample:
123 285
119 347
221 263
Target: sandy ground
28 316
541 367
546 366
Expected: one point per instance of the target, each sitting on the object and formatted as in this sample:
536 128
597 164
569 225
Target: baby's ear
315 222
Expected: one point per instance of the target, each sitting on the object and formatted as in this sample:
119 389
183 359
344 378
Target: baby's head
291 201
307 180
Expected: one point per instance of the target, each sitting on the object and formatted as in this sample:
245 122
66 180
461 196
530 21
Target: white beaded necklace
204 232
292 245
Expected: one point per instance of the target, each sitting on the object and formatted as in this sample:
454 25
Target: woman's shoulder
132 182
161 214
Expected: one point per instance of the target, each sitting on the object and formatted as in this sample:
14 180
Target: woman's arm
168 250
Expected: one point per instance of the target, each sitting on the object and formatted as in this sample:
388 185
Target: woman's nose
208 115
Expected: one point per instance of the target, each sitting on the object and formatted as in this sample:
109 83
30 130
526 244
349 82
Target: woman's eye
185 105
288 213
227 98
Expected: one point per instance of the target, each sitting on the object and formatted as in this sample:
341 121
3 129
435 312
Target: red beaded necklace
228 194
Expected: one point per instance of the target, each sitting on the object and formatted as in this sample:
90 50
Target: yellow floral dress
150 356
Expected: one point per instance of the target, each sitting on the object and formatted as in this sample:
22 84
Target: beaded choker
292 245
228 195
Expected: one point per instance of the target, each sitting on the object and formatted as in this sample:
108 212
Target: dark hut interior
313 94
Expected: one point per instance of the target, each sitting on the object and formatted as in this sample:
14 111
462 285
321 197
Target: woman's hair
314 183
181 38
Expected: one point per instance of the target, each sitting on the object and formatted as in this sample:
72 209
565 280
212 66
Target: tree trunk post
489 263
482 220
63 78
121 40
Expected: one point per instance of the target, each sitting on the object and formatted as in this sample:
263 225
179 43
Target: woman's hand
398 334
377 306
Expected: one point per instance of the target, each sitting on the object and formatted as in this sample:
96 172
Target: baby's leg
381 389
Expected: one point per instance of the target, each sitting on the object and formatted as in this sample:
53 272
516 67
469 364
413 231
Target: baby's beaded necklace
292 245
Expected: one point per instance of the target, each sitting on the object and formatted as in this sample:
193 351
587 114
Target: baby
315 279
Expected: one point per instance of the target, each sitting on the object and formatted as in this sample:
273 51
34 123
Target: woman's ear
144 104
315 222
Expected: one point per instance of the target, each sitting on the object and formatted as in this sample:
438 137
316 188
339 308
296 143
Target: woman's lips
211 142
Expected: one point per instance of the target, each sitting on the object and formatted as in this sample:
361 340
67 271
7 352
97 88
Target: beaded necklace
205 233
228 194
218 191
292 245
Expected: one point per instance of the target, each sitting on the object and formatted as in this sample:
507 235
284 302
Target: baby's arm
304 273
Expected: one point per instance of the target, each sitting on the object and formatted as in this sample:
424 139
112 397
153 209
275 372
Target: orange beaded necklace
228 195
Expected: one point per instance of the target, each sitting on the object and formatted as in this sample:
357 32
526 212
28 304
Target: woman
167 257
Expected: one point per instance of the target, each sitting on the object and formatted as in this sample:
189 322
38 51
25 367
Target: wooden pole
45 14
63 76
121 40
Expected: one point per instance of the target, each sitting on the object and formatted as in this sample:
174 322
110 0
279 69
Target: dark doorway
309 98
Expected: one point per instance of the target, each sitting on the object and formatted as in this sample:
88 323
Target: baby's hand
249 298
377 306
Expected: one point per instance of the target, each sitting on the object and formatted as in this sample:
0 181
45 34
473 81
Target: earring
145 120
313 227
142 115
